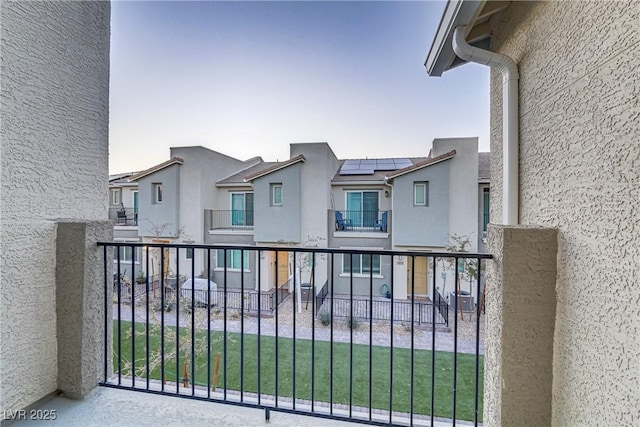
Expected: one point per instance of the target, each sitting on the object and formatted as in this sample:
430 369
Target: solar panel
369 166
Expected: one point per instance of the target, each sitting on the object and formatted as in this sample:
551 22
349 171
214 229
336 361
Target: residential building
314 199
562 293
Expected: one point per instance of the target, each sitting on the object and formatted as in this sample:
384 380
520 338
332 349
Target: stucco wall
579 172
54 154
160 219
278 223
422 225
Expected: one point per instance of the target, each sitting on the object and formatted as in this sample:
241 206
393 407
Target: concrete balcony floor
113 407
123 408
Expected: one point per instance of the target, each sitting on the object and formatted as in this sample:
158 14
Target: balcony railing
231 219
362 220
346 360
123 216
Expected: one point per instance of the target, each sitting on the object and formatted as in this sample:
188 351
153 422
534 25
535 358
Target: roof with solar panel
358 170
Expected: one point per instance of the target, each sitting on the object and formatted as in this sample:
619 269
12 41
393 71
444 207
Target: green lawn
303 363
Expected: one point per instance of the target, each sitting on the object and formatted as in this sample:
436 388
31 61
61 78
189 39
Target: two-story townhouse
172 198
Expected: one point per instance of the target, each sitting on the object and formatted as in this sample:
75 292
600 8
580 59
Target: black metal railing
123 216
362 220
231 219
380 308
348 359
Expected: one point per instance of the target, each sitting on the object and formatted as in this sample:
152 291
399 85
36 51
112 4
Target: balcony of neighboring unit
234 221
360 223
124 217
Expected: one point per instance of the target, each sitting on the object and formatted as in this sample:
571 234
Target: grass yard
380 361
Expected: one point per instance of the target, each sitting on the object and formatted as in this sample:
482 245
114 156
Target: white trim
274 186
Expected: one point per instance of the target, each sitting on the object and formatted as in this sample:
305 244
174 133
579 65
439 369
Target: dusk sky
247 79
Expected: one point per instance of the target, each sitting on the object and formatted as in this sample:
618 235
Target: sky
249 78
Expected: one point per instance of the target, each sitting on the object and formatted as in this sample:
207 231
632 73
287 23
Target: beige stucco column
80 305
520 318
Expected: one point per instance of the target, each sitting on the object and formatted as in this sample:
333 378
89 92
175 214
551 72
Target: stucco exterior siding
54 164
579 172
422 225
160 219
278 223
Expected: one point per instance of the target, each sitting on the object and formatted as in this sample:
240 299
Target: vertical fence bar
162 305
455 342
133 316
313 330
177 295
277 325
224 341
391 349
331 338
295 308
208 321
242 325
119 318
413 306
106 314
193 318
146 286
259 327
351 325
477 393
371 332
433 344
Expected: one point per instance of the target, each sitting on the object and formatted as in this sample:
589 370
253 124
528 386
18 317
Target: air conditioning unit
465 300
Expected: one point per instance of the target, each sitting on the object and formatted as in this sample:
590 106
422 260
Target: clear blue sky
249 78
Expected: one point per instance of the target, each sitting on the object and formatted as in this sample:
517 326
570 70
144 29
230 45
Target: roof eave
441 55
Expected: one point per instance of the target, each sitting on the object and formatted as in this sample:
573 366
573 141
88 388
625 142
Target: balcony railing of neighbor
362 220
123 216
360 356
231 219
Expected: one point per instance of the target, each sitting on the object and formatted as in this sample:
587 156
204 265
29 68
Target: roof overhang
297 159
156 168
479 16
421 165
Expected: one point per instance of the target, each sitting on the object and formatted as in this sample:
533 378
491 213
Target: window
421 194
234 259
276 194
126 254
485 208
157 193
189 254
116 196
242 209
361 264
362 208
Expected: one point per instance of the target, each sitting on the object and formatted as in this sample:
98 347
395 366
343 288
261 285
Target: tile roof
156 168
275 167
422 164
240 177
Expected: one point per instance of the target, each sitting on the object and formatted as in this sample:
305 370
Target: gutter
510 135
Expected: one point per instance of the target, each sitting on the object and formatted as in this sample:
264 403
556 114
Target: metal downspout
509 70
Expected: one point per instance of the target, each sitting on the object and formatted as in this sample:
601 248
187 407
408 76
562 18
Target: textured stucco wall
580 172
160 219
54 161
278 223
422 225
520 309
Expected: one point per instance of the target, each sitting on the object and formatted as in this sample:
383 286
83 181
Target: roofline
156 168
292 161
456 13
418 166
239 171
233 184
377 182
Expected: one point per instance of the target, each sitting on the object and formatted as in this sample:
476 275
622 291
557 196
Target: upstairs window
157 193
276 194
116 196
242 209
421 194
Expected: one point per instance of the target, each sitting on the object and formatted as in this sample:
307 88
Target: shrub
325 318
353 322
